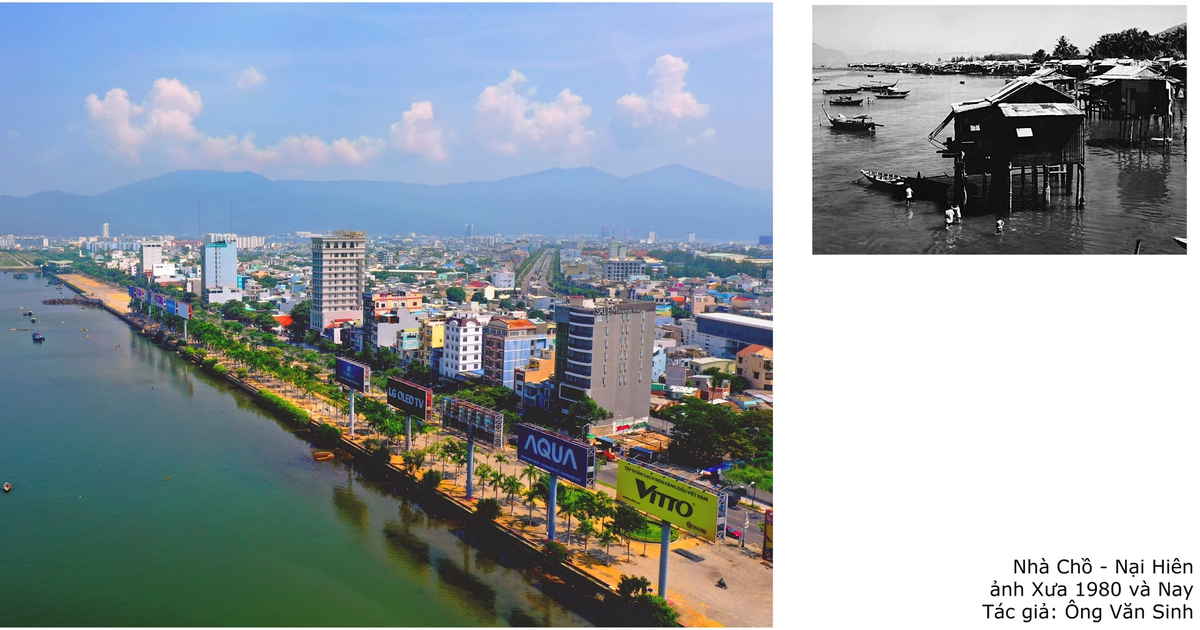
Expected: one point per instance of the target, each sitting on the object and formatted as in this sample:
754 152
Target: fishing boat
856 123
25 276
932 188
842 89
27 314
878 86
892 94
884 179
845 100
7 486
38 337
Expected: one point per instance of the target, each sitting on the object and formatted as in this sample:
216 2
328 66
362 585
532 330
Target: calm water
1130 193
248 530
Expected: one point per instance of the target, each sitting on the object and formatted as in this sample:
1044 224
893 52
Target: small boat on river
856 123
7 486
842 89
38 337
892 94
923 187
845 100
878 86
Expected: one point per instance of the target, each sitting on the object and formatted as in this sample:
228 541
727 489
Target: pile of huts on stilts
1034 125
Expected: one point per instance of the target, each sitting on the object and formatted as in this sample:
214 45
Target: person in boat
999 226
957 213
907 195
949 217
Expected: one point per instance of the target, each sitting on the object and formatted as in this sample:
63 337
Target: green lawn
7 259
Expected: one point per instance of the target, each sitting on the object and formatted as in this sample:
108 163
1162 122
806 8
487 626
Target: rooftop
730 318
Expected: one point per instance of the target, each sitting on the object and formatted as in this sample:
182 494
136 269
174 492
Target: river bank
588 575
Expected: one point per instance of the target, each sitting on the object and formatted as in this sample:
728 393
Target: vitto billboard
768 550
677 502
556 454
353 375
411 399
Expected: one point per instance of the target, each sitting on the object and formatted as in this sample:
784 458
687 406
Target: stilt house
1131 92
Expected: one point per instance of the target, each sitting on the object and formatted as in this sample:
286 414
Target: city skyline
426 94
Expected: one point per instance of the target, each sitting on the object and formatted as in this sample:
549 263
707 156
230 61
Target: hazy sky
97 96
935 30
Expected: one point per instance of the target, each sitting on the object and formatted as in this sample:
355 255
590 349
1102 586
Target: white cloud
250 78
705 136
419 134
165 122
668 103
515 121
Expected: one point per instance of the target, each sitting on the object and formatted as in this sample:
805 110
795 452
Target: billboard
353 375
170 306
677 501
465 419
140 294
557 454
183 309
159 300
768 552
409 398
132 293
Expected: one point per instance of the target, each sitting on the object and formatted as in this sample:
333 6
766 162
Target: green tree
233 309
703 433
511 486
1039 57
630 586
479 298
607 537
583 412
431 479
456 294
265 321
585 530
627 520
487 510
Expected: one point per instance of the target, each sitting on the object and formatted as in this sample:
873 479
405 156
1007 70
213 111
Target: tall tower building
219 268
469 231
650 238
104 227
605 350
691 237
339 278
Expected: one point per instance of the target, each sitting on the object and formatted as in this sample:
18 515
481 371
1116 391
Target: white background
943 416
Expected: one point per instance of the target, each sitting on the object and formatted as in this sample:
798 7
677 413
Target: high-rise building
650 238
463 347
219 277
469 231
691 237
604 349
104 227
339 277
151 255
617 270
508 344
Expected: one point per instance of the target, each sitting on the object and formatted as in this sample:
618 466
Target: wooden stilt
1008 172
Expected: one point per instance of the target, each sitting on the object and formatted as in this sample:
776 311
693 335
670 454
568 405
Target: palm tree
602 507
566 506
607 537
531 473
511 485
484 472
530 498
495 479
585 530
501 459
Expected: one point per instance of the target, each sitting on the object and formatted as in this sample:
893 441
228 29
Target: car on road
607 455
735 534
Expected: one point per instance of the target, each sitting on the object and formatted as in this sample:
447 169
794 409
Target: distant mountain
884 56
835 58
1173 28
670 201
829 57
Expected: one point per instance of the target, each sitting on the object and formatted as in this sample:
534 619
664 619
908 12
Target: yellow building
757 364
432 336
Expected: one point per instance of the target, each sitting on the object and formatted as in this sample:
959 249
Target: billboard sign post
413 400
468 420
676 501
557 454
357 377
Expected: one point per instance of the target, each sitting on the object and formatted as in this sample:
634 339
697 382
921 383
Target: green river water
247 530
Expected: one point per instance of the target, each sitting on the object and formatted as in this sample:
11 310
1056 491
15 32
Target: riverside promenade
691 586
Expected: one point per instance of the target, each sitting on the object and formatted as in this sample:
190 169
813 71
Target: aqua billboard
353 375
557 454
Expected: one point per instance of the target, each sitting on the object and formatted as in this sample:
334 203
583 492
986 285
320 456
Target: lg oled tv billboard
409 398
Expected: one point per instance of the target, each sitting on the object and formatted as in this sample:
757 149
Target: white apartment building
151 255
463 347
339 278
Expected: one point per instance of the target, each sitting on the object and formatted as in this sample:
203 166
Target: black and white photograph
999 129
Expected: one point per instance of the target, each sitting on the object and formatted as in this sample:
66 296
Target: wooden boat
923 187
323 456
857 123
845 100
884 179
843 89
892 94
38 337
879 86
7 486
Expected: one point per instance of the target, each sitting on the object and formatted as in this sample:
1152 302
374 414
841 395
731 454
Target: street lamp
752 493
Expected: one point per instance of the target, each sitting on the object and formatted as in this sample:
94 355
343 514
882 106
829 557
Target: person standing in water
907 195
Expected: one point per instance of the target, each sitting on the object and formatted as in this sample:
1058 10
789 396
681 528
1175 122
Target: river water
147 493
1130 193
